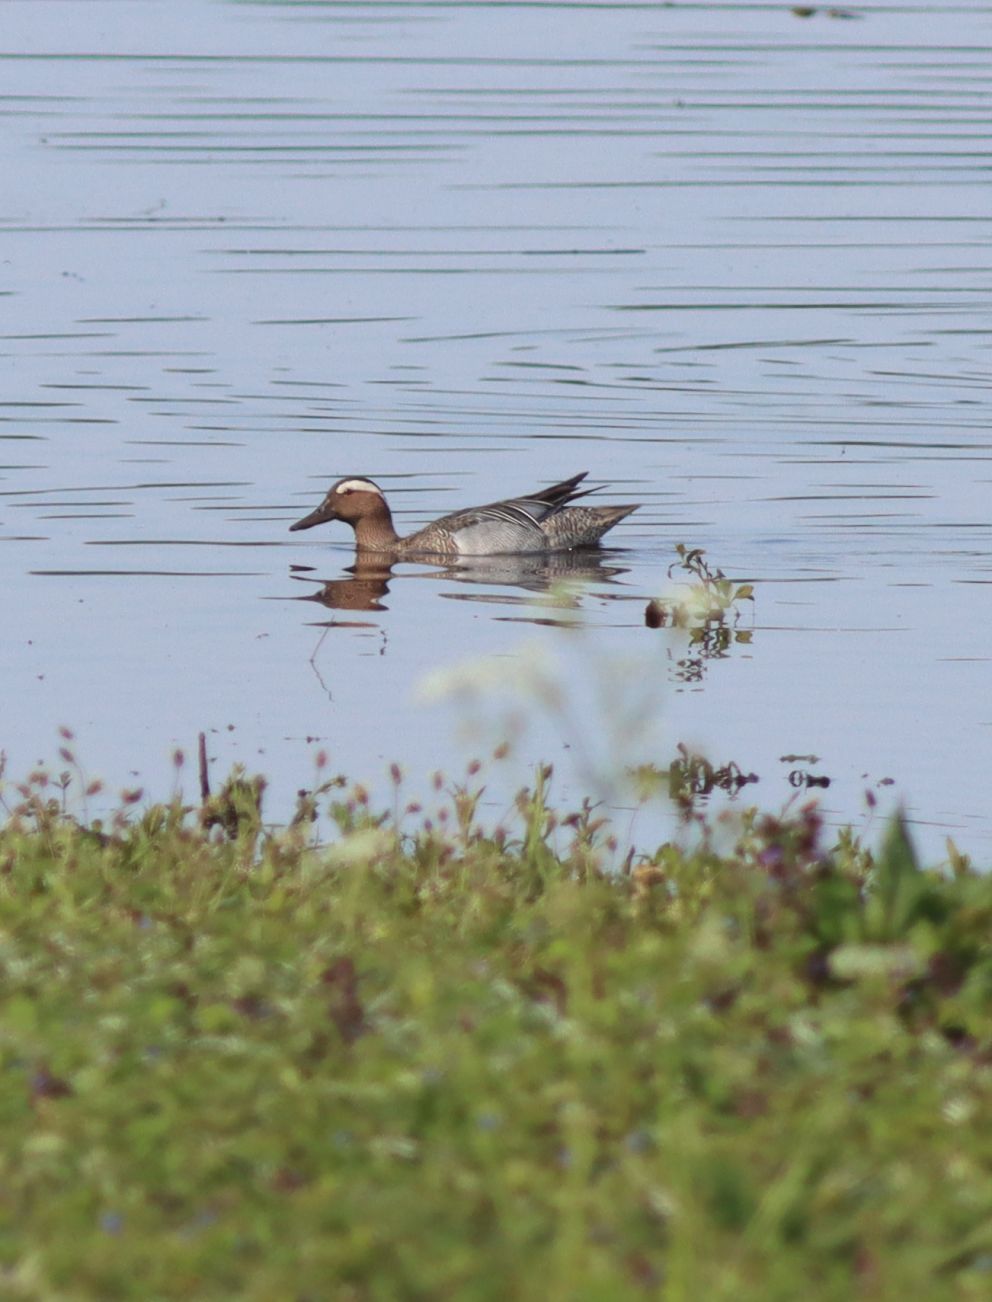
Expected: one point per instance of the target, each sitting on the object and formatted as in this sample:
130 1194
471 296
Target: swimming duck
541 521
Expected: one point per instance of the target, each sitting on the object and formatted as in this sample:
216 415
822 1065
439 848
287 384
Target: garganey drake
539 522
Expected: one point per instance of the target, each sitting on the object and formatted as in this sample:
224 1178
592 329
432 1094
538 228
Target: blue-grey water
731 260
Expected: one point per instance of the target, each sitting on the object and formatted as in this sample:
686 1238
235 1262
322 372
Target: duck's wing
531 507
520 517
512 525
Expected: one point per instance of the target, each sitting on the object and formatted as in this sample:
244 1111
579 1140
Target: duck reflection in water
364 584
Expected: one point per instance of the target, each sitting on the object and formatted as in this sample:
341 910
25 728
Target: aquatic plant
707 608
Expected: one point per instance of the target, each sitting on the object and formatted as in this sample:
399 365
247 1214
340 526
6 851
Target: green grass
451 1065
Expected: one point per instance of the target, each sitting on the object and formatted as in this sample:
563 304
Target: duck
544 521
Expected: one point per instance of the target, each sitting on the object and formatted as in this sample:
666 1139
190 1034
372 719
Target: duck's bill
320 516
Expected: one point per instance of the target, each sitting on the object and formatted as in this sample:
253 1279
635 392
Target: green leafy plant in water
708 609
711 598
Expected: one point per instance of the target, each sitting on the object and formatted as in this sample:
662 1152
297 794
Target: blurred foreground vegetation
443 1063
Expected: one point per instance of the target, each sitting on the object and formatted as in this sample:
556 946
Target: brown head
359 503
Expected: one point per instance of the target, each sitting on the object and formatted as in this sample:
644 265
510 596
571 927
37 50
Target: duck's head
352 500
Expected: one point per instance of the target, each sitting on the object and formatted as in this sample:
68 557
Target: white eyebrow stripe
358 486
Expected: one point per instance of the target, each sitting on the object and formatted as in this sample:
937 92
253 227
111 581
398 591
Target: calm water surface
732 261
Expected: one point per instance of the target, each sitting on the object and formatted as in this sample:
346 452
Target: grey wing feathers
522 524
522 513
525 512
538 506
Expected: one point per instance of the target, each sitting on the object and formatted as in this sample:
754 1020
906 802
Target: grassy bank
446 1065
